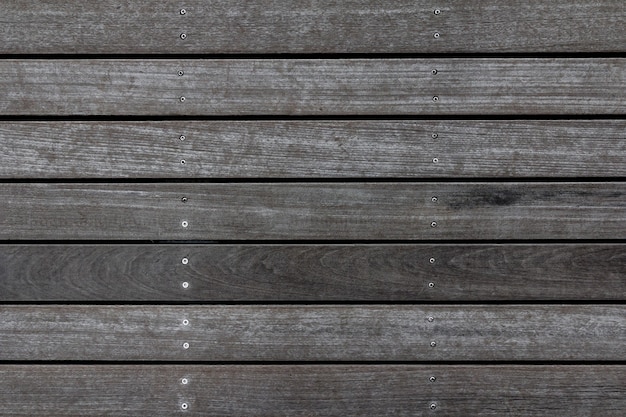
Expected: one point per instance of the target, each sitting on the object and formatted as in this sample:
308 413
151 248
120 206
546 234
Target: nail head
431 285
435 98
185 285
183 11
434 72
181 73
184 406
437 12
431 260
185 381
435 135
436 35
433 224
182 137
433 406
431 319
432 379
182 99
184 223
185 345
434 199
433 344
185 261
184 199
185 322
183 36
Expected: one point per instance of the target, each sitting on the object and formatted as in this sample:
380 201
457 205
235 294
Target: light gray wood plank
240 87
313 333
372 211
312 390
303 149
474 272
320 26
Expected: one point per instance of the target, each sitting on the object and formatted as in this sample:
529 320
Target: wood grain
340 87
312 390
372 211
320 26
336 272
304 149
313 333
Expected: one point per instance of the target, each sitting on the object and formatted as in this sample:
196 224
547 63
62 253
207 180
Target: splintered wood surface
236 87
312 390
370 211
333 272
305 149
320 26
313 332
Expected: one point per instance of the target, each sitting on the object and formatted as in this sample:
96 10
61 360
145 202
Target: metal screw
183 12
431 319
185 322
181 73
185 285
431 260
182 99
184 406
185 261
435 35
434 72
184 199
435 98
437 12
434 199
432 379
431 285
185 381
435 160
433 406
183 36
184 223
185 345
433 344
182 137
435 135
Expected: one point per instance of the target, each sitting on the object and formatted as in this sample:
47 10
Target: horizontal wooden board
321 26
312 390
304 149
313 333
372 211
342 87
475 272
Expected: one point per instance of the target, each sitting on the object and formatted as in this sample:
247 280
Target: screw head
185 322
433 406
435 35
435 98
431 260
185 261
434 72
185 345
433 344
432 379
434 199
184 406
185 285
437 12
181 73
183 36
431 285
182 137
185 381
183 12
184 223
435 135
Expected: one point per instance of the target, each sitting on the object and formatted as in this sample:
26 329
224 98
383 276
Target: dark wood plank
372 211
35 273
236 87
312 390
302 149
321 26
313 333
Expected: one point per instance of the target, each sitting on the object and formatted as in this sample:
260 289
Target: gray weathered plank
223 87
312 390
313 333
372 211
301 149
321 26
478 272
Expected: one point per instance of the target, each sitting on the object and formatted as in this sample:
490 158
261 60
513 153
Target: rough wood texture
313 333
223 87
32 273
304 149
320 26
372 211
312 390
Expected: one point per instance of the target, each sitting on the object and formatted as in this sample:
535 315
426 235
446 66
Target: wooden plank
372 211
240 87
312 390
313 332
321 26
474 272
302 149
